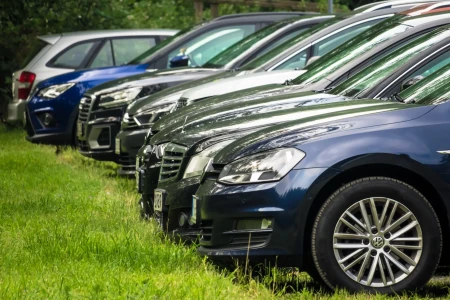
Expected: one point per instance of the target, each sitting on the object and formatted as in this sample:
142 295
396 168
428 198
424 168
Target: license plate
195 201
80 129
117 149
158 200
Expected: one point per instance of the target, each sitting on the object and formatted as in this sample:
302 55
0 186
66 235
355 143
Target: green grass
69 228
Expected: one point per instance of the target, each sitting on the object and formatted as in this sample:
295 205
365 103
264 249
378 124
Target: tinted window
374 74
126 49
434 89
34 49
335 40
243 45
74 56
104 57
298 61
209 44
282 40
351 50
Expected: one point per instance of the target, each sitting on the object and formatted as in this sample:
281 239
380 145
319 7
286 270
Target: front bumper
16 112
223 211
130 142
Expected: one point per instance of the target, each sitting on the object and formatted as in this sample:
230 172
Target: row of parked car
308 140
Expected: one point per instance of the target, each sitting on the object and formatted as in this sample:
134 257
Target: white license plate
158 200
80 129
117 149
194 209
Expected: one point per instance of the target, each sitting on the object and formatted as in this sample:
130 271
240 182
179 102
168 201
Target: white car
56 54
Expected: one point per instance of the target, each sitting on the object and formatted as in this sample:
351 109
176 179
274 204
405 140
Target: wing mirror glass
410 82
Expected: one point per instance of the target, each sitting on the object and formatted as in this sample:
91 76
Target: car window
74 56
280 41
298 61
37 48
126 49
373 75
331 42
432 66
207 45
104 57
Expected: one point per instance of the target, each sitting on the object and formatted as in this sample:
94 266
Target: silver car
52 55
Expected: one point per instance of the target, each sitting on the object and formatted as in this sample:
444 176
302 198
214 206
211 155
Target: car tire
401 249
145 209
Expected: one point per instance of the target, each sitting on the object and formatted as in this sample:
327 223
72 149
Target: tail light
26 80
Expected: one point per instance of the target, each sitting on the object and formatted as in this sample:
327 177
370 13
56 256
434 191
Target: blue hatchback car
52 107
360 202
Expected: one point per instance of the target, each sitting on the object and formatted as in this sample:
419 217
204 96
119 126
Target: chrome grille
171 161
83 108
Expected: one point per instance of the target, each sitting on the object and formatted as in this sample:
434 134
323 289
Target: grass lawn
69 228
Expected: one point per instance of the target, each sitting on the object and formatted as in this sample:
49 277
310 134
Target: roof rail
293 13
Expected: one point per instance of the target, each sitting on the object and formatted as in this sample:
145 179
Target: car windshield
240 47
285 47
370 77
432 90
144 57
352 50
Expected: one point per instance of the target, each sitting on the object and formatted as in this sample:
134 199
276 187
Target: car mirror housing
179 61
411 81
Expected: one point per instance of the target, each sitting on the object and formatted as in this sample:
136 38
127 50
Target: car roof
93 34
269 15
389 4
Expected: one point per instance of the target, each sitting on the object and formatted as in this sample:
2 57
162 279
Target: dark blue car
53 105
360 201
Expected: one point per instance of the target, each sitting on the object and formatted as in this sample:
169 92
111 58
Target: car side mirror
312 59
410 82
179 61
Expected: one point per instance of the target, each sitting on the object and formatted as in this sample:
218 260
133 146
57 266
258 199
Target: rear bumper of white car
15 112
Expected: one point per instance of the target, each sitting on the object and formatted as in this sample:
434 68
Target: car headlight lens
262 167
119 98
54 91
150 116
198 162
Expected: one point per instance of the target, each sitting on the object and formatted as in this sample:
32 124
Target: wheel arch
402 173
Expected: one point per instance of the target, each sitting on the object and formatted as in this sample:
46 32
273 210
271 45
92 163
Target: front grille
246 239
127 162
83 145
104 138
84 108
182 102
206 230
171 162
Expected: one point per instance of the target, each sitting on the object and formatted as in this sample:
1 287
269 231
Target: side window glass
432 66
204 47
104 57
296 62
335 40
127 49
280 41
74 56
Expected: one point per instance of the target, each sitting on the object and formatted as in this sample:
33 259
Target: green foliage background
23 20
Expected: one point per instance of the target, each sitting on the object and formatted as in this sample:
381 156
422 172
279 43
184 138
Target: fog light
182 219
48 119
254 224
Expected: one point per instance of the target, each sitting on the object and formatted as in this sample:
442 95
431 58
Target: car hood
239 82
294 133
159 77
239 98
262 114
176 91
94 75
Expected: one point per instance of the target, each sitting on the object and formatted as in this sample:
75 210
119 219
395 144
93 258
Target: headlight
199 161
150 116
54 91
119 98
261 167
